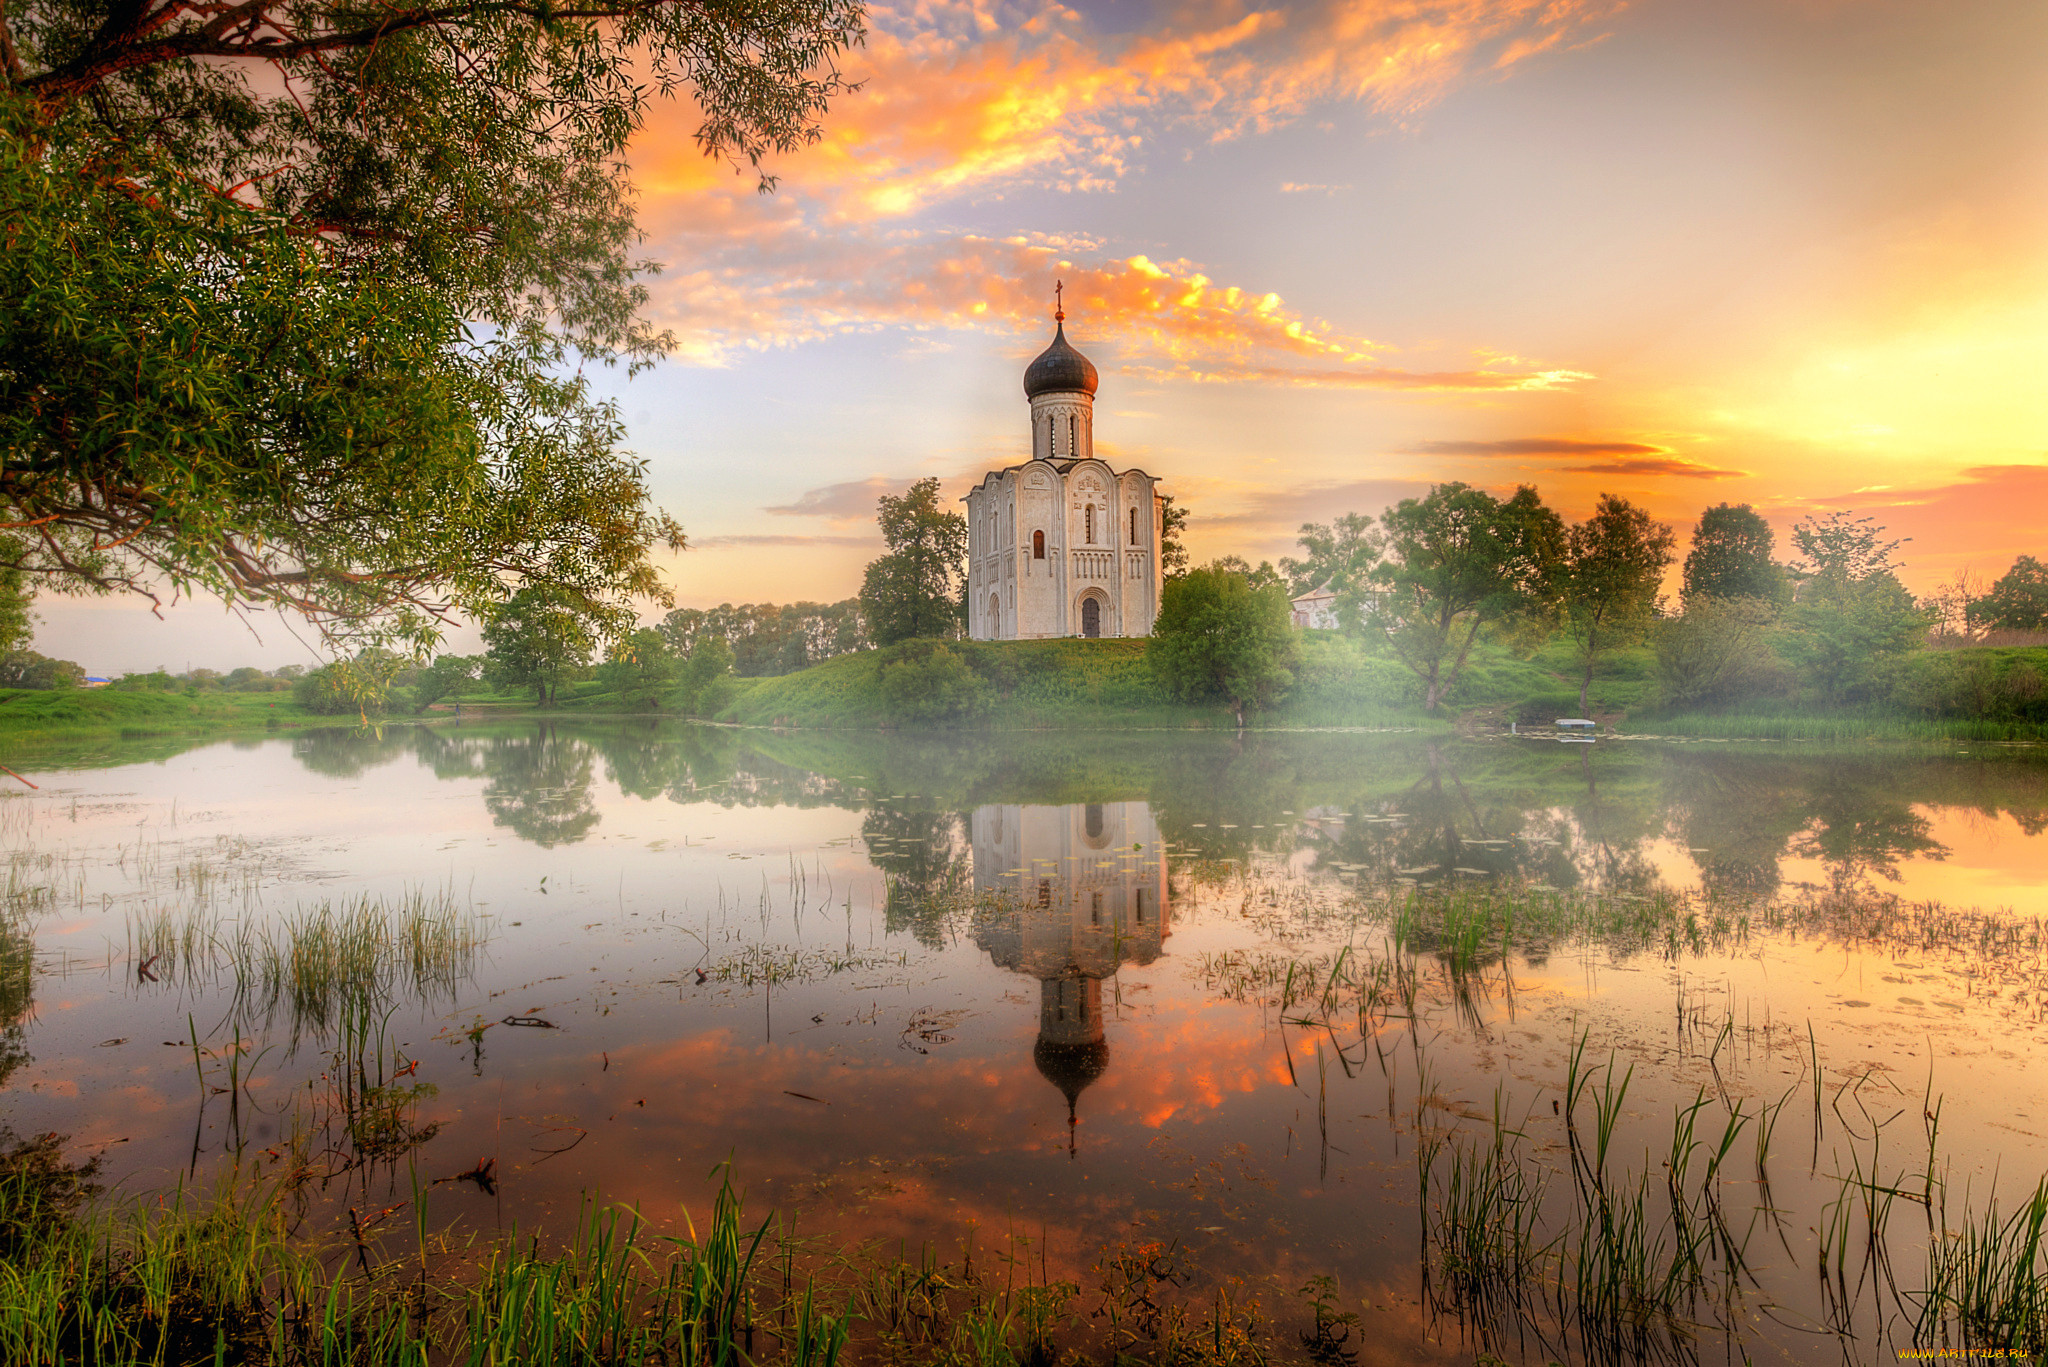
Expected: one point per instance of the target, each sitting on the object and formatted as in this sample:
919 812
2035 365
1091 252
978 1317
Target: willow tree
295 294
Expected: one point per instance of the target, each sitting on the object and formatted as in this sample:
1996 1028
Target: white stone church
1062 545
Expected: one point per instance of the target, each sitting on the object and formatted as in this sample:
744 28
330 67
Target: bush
156 681
1542 709
1220 636
1718 653
1972 684
26 669
930 685
1847 636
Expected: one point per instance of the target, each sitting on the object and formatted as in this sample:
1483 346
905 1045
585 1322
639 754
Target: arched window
995 615
1138 904
1038 545
1091 820
1073 435
1088 519
1134 526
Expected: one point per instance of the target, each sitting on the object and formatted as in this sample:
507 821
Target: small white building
1316 610
1062 545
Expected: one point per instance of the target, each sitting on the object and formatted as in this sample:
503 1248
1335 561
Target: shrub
1972 684
1718 652
930 685
1847 634
1220 636
27 669
1542 709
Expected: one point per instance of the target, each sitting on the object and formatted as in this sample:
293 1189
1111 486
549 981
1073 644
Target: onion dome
1071 1067
1059 367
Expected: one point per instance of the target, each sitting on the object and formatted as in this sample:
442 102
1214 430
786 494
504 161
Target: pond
1369 1029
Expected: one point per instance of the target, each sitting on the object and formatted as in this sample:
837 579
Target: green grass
1079 685
305 966
1798 722
43 714
191 1280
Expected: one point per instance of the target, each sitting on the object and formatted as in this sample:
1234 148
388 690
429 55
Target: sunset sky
1325 254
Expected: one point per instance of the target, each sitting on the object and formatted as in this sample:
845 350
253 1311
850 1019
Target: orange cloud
1540 446
966 100
961 98
1169 319
1671 466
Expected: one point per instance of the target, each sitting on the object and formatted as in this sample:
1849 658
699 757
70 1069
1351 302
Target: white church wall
1099 531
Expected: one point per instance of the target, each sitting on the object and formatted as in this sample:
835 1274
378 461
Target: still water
1041 991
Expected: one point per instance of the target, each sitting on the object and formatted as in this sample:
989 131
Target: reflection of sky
902 1097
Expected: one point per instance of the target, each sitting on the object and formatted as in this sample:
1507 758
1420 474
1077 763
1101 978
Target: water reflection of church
1084 892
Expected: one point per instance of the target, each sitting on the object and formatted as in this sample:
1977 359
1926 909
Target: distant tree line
1432 578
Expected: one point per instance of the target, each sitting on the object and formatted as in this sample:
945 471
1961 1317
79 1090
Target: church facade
1062 545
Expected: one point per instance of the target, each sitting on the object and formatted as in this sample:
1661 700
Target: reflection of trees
349 752
1439 823
538 785
1863 826
1615 823
17 993
1428 805
1217 802
1742 814
1736 819
927 859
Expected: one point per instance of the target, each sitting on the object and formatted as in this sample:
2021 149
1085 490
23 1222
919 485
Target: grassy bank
1057 684
1106 685
55 713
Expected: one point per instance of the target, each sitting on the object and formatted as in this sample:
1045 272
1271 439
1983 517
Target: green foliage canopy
1731 555
1613 567
287 290
768 639
1459 560
641 669
1220 636
1852 618
1717 652
27 669
541 639
932 687
1341 554
448 676
707 677
915 590
2017 602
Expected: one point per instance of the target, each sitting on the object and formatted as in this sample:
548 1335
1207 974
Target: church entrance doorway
1091 617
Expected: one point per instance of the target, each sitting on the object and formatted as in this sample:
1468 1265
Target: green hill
1060 684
